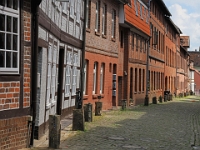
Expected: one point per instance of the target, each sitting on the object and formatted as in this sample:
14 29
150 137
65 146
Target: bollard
54 131
124 104
98 108
88 112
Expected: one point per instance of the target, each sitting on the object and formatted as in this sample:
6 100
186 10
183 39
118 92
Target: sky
186 15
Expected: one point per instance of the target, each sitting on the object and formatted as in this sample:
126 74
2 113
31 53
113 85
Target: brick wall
9 95
103 49
15 91
14 133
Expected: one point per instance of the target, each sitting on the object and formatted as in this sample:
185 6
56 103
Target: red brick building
134 41
197 82
102 53
157 48
15 73
172 46
182 60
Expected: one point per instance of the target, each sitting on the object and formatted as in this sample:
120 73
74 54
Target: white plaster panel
71 27
64 24
42 34
77 31
43 87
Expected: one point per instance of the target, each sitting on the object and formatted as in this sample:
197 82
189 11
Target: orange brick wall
14 133
102 49
9 95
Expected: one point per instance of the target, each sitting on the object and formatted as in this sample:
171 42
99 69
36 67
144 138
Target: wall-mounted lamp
125 73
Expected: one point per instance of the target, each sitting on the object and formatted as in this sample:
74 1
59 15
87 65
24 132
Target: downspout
80 102
34 61
146 101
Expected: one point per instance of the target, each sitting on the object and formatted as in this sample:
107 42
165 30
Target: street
172 125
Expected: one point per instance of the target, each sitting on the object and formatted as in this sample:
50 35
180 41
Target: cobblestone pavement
172 125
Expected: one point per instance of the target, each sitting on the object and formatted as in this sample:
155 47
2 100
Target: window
136 75
122 39
48 92
136 9
102 78
67 80
72 8
85 77
97 21
68 74
9 36
147 16
141 15
53 75
113 23
74 80
104 19
137 42
132 43
140 80
143 79
88 11
95 77
78 11
141 44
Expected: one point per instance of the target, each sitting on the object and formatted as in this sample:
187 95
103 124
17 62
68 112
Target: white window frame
136 8
94 77
53 75
68 73
67 80
85 77
74 80
97 16
104 19
102 78
87 12
13 13
49 71
113 23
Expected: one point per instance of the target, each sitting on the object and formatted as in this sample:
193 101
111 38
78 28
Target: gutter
34 58
80 101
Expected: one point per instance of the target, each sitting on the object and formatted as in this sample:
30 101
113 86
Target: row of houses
110 50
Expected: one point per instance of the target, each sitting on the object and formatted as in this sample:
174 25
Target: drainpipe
146 101
34 59
80 102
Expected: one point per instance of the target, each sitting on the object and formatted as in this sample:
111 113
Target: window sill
87 30
97 33
95 96
85 97
104 36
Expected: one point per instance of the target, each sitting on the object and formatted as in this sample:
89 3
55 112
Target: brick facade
15 90
15 133
103 49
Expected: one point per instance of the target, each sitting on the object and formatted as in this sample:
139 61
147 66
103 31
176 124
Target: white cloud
188 23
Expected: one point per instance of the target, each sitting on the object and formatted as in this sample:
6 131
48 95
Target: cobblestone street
172 125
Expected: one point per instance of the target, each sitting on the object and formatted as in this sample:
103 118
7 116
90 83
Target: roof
123 1
173 25
164 7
